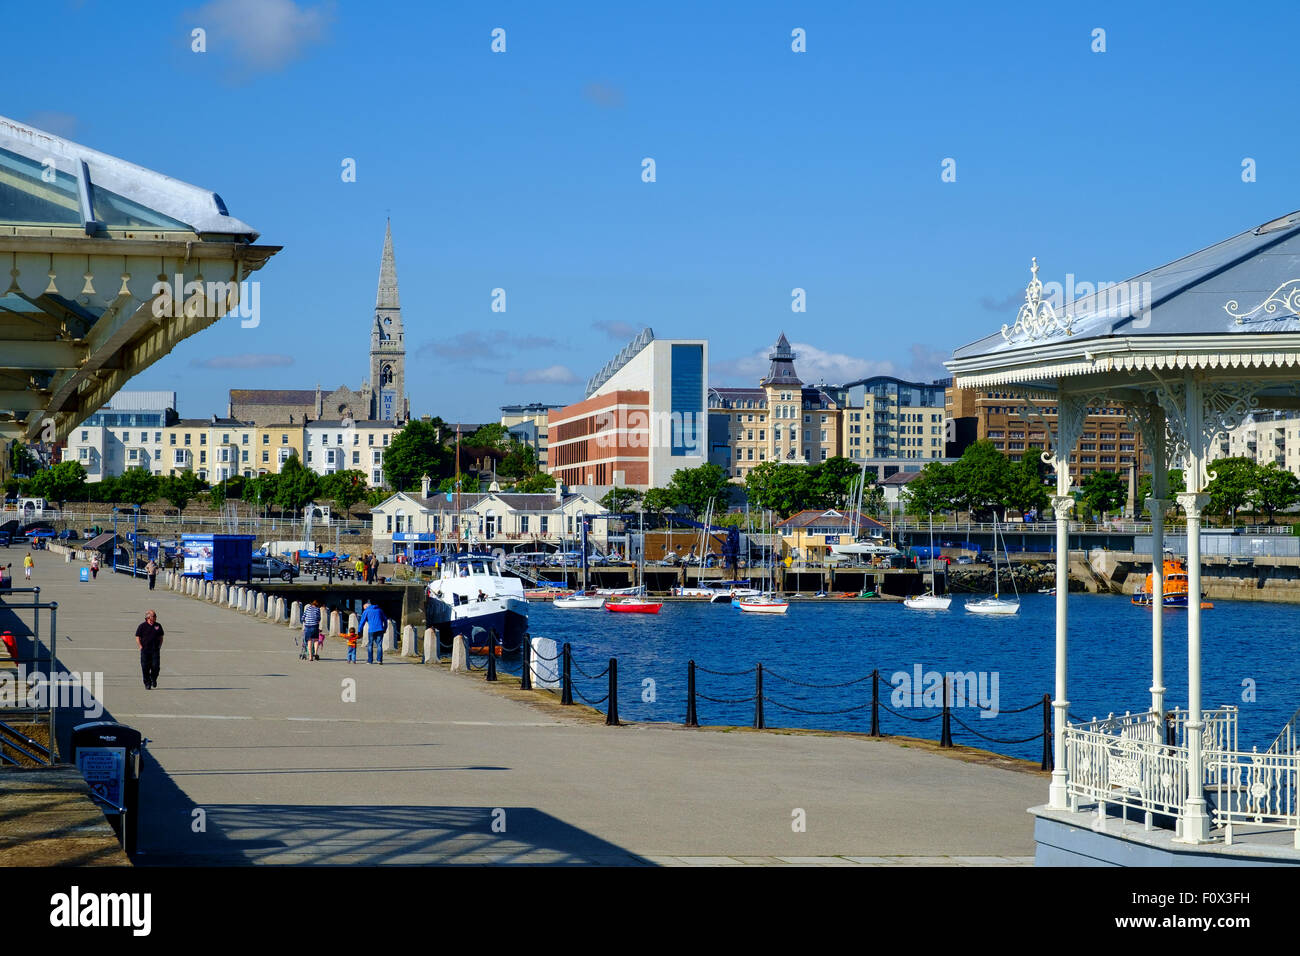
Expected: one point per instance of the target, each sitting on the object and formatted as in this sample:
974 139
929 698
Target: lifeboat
1174 590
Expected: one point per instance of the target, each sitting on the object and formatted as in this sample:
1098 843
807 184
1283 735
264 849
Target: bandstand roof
84 240
1232 310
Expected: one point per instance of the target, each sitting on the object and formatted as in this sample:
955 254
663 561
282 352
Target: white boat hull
993 606
928 602
765 608
580 601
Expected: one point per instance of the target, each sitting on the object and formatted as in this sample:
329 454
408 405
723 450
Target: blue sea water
1249 650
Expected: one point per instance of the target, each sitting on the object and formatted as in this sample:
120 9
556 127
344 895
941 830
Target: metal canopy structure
104 267
1189 349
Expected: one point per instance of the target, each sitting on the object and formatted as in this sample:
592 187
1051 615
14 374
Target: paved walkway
255 756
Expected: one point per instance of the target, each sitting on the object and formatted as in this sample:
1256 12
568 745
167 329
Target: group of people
372 620
366 567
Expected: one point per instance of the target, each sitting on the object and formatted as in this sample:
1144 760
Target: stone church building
382 398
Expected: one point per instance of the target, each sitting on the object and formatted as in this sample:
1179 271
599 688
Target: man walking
28 564
372 617
149 638
310 630
151 569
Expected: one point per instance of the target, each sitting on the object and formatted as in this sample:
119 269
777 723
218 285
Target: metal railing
1255 789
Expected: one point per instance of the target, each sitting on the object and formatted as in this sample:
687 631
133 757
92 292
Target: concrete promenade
256 757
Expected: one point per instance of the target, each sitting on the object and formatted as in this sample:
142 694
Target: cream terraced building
333 446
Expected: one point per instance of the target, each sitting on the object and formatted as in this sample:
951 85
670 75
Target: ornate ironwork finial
1036 318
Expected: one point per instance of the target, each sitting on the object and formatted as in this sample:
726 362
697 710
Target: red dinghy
630 606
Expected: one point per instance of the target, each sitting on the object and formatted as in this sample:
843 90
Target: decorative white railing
1140 761
1128 769
1255 789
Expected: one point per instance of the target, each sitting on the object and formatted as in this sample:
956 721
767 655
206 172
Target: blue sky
522 170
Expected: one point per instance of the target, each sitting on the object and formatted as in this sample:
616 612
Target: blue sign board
414 536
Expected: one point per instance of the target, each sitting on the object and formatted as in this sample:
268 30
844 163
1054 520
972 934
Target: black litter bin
108 756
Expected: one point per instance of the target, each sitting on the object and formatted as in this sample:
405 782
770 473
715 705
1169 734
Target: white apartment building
127 432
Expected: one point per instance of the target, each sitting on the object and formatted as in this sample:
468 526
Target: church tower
388 344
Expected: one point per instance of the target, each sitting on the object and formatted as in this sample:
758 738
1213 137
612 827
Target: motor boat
472 597
1174 592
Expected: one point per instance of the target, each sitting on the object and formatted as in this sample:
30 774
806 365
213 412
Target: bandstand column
1061 505
1158 507
1196 822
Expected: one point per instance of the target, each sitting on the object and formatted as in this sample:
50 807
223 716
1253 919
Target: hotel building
644 417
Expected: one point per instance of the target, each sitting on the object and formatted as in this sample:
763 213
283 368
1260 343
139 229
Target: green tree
137 486
1233 485
832 480
933 491
520 461
658 500
1026 491
21 460
297 485
619 500
493 435
536 484
217 496
66 481
1103 491
180 489
982 479
344 488
695 487
415 451
1276 489
780 487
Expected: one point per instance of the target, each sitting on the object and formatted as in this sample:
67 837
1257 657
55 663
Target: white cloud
551 375
616 329
264 34
812 364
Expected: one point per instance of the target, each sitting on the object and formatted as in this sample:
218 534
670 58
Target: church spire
386 298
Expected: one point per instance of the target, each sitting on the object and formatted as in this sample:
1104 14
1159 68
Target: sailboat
768 602
997 604
635 602
929 601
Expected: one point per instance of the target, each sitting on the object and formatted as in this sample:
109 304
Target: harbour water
1250 657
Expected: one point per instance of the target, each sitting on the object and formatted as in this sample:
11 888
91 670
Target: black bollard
945 736
875 703
492 656
759 723
526 657
566 679
691 719
611 712
1047 733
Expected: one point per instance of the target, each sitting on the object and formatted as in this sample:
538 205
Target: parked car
965 559
67 534
273 568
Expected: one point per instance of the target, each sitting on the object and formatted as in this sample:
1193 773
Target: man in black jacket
149 638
